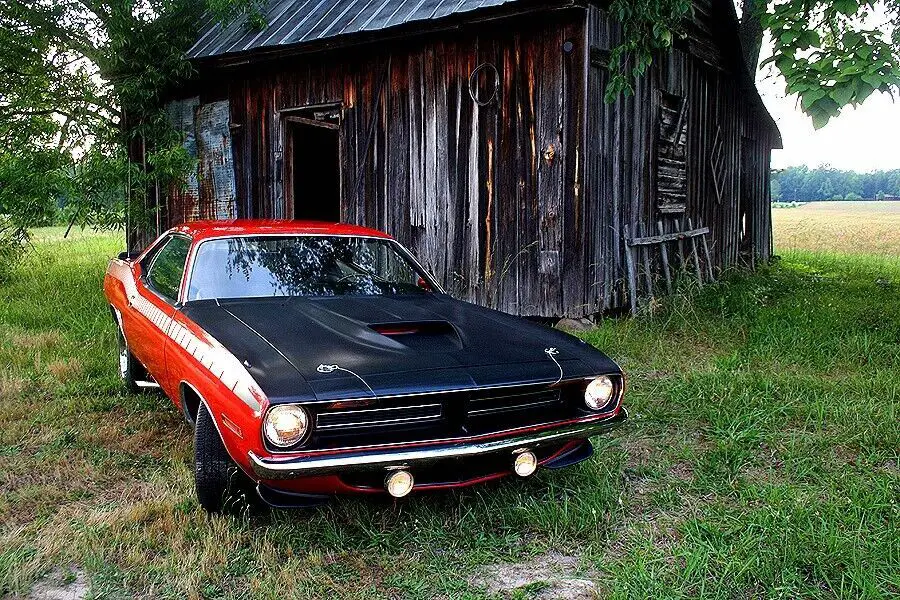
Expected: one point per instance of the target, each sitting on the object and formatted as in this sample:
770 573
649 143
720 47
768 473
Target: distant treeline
805 185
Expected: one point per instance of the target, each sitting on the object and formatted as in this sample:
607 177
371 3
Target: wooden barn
476 133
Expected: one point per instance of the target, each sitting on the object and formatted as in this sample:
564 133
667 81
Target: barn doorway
746 198
313 164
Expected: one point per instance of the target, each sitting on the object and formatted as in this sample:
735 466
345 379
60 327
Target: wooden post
709 267
682 265
645 252
664 254
695 254
632 275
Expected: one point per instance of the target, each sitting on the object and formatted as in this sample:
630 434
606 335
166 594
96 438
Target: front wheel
217 479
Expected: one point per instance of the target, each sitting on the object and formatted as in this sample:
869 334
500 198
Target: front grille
446 415
505 402
379 417
495 410
389 420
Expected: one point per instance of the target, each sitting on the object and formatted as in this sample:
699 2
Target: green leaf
785 64
842 94
809 38
864 51
820 119
864 91
873 79
797 87
788 37
846 7
811 97
852 39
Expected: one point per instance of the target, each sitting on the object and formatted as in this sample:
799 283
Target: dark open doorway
313 173
747 195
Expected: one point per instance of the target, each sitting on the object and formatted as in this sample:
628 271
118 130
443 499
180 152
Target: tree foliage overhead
80 81
834 54
831 53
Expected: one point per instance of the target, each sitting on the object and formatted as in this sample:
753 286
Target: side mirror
126 255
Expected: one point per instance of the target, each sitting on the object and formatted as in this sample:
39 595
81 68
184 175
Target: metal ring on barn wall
473 84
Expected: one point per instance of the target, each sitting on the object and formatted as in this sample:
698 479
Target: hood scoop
422 336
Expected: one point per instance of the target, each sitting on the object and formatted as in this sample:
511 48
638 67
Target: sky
866 138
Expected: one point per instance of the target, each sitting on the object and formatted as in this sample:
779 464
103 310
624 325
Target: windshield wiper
363 271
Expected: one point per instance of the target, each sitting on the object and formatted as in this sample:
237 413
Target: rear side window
167 268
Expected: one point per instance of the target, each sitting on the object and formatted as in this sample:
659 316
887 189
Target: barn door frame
747 225
328 115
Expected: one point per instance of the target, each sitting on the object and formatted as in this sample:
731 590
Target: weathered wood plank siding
622 174
522 203
488 197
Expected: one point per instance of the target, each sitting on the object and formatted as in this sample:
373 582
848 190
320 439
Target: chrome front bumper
375 458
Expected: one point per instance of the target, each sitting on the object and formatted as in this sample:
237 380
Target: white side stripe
205 349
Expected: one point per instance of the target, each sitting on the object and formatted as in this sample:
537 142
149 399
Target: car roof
212 229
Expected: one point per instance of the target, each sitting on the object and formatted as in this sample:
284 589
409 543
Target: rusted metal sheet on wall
209 191
216 165
182 200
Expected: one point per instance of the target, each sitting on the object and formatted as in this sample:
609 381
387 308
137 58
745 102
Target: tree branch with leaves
832 53
80 81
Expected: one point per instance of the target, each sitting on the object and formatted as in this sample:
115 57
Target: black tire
219 483
130 370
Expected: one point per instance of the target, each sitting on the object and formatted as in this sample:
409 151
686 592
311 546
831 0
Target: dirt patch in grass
682 471
640 452
549 576
58 585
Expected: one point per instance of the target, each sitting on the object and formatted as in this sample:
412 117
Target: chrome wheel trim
123 361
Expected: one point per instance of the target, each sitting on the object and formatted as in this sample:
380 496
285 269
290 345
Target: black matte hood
392 344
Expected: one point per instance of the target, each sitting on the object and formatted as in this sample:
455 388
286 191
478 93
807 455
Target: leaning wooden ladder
637 252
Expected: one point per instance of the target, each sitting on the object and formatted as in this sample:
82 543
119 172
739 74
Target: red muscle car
319 359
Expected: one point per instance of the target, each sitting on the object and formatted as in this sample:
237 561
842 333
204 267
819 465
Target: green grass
761 460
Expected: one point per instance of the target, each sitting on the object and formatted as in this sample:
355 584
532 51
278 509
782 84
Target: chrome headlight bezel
601 394
286 440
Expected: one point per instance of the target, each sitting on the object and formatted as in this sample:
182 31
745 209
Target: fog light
399 483
525 463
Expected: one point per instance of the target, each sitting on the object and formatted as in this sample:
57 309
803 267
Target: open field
762 460
863 227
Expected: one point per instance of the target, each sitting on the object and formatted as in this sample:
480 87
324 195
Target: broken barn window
671 154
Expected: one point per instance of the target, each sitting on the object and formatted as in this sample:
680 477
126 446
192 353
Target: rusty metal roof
299 21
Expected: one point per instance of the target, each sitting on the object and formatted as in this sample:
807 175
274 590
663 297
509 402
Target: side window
167 268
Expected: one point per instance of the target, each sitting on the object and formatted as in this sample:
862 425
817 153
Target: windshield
250 267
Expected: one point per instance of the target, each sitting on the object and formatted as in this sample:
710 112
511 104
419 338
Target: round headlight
599 392
286 425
